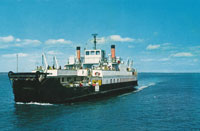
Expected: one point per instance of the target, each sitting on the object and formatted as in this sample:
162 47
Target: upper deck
93 56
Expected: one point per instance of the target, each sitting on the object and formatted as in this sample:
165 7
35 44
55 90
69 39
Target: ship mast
95 40
17 62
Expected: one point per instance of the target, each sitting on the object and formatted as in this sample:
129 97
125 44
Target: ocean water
163 101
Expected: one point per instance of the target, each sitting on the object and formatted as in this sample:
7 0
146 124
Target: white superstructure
92 67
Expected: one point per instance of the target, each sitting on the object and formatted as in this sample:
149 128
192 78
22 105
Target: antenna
55 62
17 62
128 63
95 40
131 63
44 62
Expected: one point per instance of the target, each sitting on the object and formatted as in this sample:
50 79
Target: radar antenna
95 40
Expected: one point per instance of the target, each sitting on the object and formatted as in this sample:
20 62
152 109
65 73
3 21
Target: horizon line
137 72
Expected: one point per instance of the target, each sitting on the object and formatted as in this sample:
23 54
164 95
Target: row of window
67 79
62 79
113 81
92 52
118 80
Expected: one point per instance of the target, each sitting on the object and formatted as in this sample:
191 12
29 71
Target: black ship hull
50 90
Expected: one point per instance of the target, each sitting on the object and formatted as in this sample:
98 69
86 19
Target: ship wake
145 86
35 103
139 88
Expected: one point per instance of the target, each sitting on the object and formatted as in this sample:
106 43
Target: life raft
97 74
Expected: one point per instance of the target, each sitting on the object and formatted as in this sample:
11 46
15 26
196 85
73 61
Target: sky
158 35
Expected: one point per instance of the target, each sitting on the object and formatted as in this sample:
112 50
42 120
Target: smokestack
78 52
113 51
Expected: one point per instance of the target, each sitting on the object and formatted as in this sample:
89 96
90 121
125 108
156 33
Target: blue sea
163 101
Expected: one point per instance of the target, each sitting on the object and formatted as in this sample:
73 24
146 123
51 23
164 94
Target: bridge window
87 53
97 52
92 52
110 80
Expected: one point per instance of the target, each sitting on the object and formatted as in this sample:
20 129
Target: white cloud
152 47
58 41
118 38
9 38
10 41
195 60
166 44
3 46
29 41
18 40
150 60
25 42
101 40
164 59
182 54
53 52
22 54
138 40
147 60
14 55
131 46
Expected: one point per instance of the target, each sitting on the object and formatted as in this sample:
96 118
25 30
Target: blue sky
159 35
